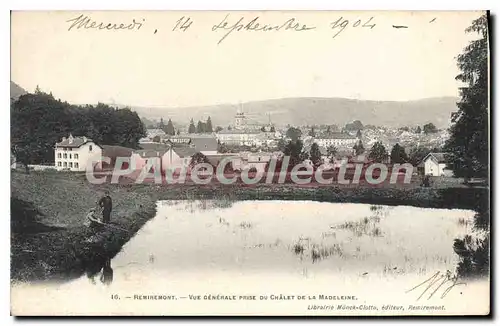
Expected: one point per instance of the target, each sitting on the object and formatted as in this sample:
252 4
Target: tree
468 142
358 134
178 132
331 152
192 128
273 129
312 133
208 125
294 150
398 154
157 139
315 154
200 128
355 125
418 130
218 128
263 129
378 153
417 154
198 158
430 128
161 125
281 145
169 129
359 148
222 148
294 133
38 121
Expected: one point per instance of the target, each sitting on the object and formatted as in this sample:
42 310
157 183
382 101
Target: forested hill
16 91
38 121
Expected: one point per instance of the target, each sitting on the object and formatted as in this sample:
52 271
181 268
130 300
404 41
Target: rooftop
73 142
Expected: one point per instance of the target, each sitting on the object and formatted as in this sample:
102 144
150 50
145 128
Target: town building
75 153
168 157
240 137
205 144
152 133
337 139
435 164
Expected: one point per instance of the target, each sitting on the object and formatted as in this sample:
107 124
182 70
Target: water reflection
313 238
473 249
367 226
101 269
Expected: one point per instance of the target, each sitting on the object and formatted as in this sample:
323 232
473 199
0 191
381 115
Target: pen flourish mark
439 279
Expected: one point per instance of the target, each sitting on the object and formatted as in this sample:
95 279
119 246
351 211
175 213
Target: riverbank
50 242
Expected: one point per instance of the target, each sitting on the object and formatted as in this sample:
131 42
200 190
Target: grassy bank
48 237
50 241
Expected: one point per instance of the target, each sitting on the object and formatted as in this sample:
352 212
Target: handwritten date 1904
341 24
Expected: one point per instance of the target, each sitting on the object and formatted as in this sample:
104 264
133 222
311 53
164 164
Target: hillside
16 91
301 111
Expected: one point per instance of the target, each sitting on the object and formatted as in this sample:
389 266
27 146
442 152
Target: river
279 257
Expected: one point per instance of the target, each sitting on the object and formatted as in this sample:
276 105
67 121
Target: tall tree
294 133
192 128
398 154
418 130
200 127
208 125
378 153
468 142
315 154
358 134
359 148
294 150
169 129
331 152
161 125
311 132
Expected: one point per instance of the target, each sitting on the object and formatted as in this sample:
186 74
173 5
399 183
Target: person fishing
106 205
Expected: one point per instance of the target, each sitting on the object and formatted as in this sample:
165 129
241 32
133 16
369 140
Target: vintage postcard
250 163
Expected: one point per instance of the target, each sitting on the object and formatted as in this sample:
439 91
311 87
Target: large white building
337 139
74 153
241 137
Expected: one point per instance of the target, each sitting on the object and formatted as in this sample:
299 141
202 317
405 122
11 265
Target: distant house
205 144
168 156
75 153
435 164
152 133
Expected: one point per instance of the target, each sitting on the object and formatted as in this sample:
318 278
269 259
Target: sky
153 65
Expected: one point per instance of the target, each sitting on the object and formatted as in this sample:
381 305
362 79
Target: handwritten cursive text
87 23
254 25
